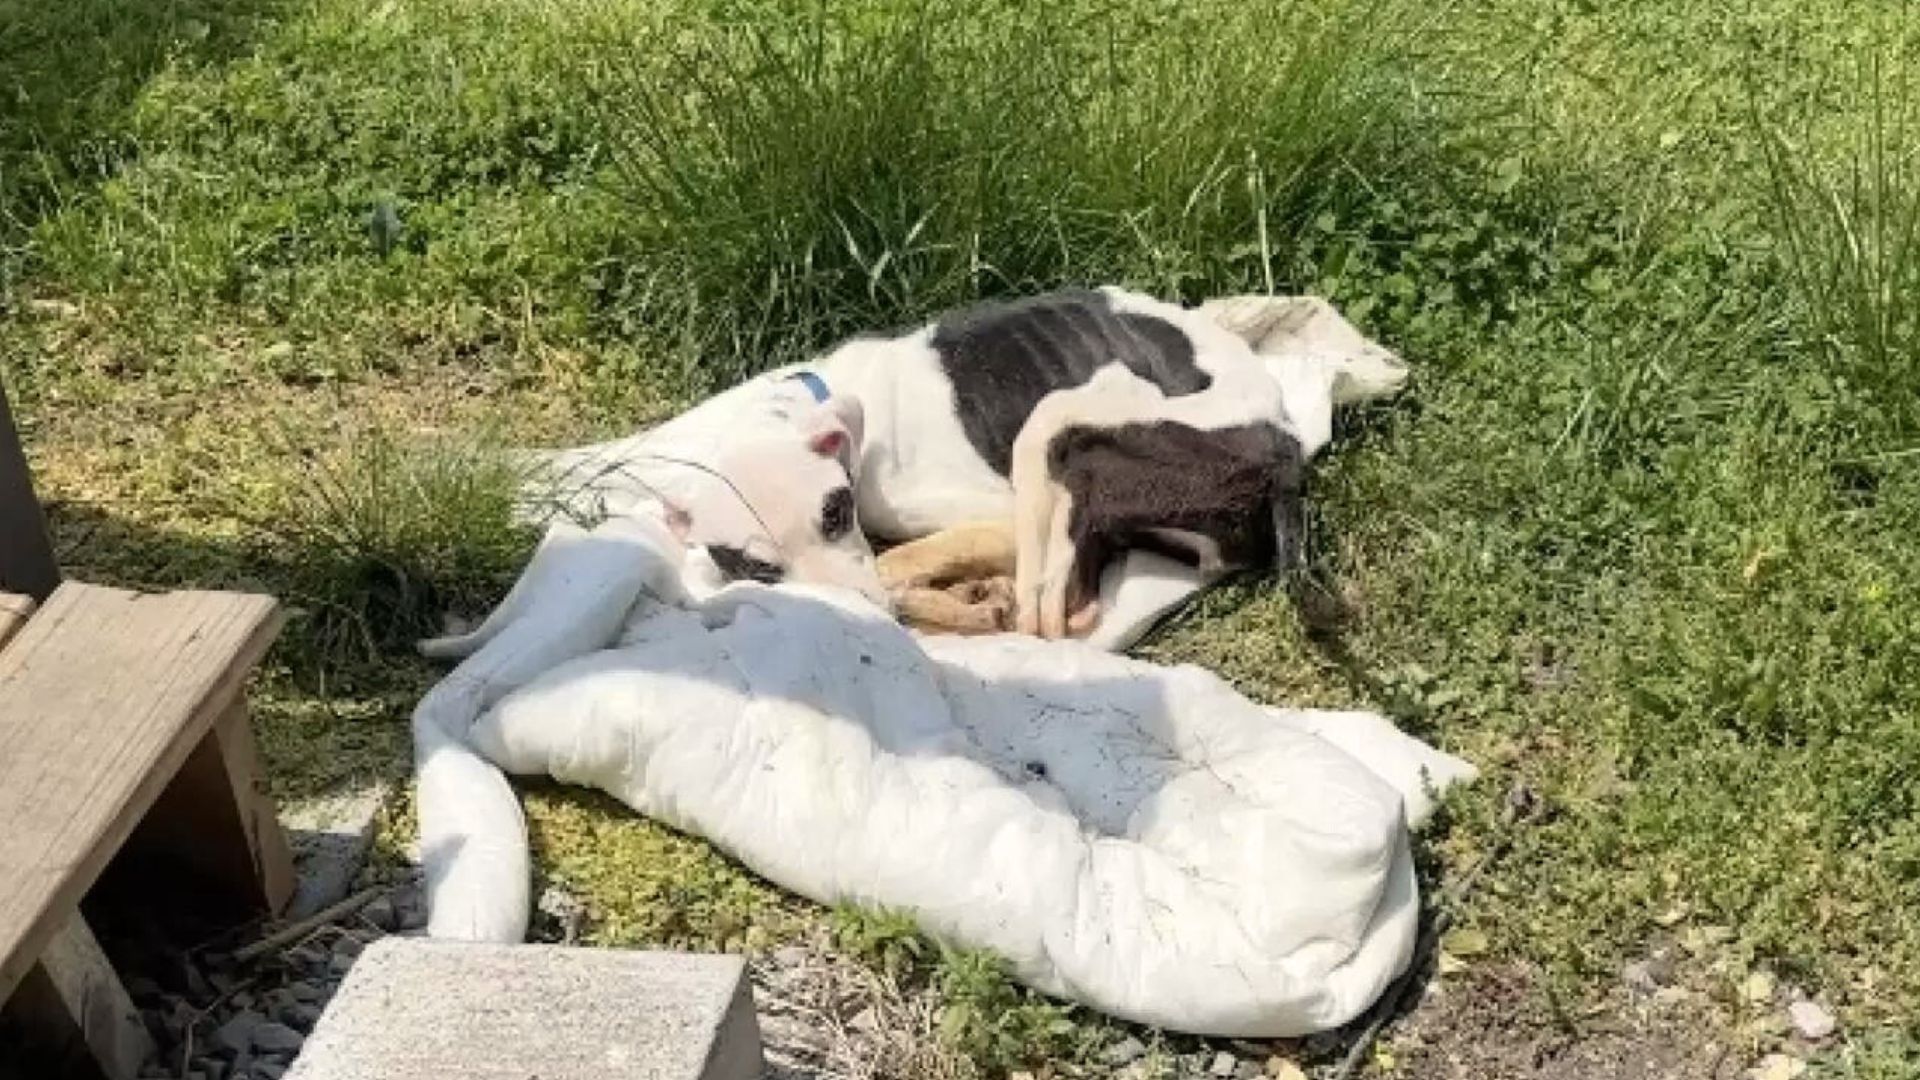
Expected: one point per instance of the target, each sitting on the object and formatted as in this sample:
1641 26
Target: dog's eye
836 514
737 565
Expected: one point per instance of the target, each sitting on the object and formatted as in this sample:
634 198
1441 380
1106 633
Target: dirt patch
1501 1022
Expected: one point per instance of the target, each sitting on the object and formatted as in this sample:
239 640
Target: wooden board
102 698
14 611
72 1016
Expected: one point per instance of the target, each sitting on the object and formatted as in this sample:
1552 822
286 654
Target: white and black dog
1139 449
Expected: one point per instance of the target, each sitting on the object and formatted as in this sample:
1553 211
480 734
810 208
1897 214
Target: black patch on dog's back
1003 358
1238 486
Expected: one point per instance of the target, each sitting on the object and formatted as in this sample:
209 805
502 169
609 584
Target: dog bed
1139 838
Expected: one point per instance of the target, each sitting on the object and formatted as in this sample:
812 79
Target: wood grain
102 697
14 611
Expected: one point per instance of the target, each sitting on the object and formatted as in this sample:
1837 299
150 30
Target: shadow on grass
352 613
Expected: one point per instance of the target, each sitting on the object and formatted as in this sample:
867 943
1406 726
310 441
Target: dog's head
785 508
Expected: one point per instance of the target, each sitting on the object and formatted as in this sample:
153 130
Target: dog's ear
679 521
834 428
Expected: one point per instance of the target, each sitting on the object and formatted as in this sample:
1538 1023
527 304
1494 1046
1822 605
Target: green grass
1639 535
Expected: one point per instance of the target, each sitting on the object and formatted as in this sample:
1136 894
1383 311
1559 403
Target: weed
1848 232
889 940
386 539
800 177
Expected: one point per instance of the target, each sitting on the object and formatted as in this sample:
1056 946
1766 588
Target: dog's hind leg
1043 549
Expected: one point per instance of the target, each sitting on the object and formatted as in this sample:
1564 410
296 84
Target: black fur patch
1003 358
737 565
1239 486
836 514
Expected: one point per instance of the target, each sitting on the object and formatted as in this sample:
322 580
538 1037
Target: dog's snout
848 566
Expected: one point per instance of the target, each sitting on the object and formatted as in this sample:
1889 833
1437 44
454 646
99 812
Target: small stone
274 1037
222 981
410 908
1811 1020
1777 1067
564 909
304 991
1662 968
1125 1052
340 963
380 913
141 988
1758 988
1638 976
1280 1068
865 1020
176 1018
268 1070
1247 1070
242 1000
301 1017
348 945
790 956
198 988
307 956
1224 1064
236 1035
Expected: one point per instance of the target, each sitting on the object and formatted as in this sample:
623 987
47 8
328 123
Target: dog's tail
572 599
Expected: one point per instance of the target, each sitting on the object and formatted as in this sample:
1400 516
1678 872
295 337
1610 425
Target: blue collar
815 384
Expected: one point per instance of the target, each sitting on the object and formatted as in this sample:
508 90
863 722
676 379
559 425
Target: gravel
216 1019
274 1037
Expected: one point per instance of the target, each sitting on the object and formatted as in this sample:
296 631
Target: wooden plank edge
15 609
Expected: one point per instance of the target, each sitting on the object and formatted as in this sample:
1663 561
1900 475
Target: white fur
741 469
1285 360
919 474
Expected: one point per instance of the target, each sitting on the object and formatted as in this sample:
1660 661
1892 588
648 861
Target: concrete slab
416 1009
